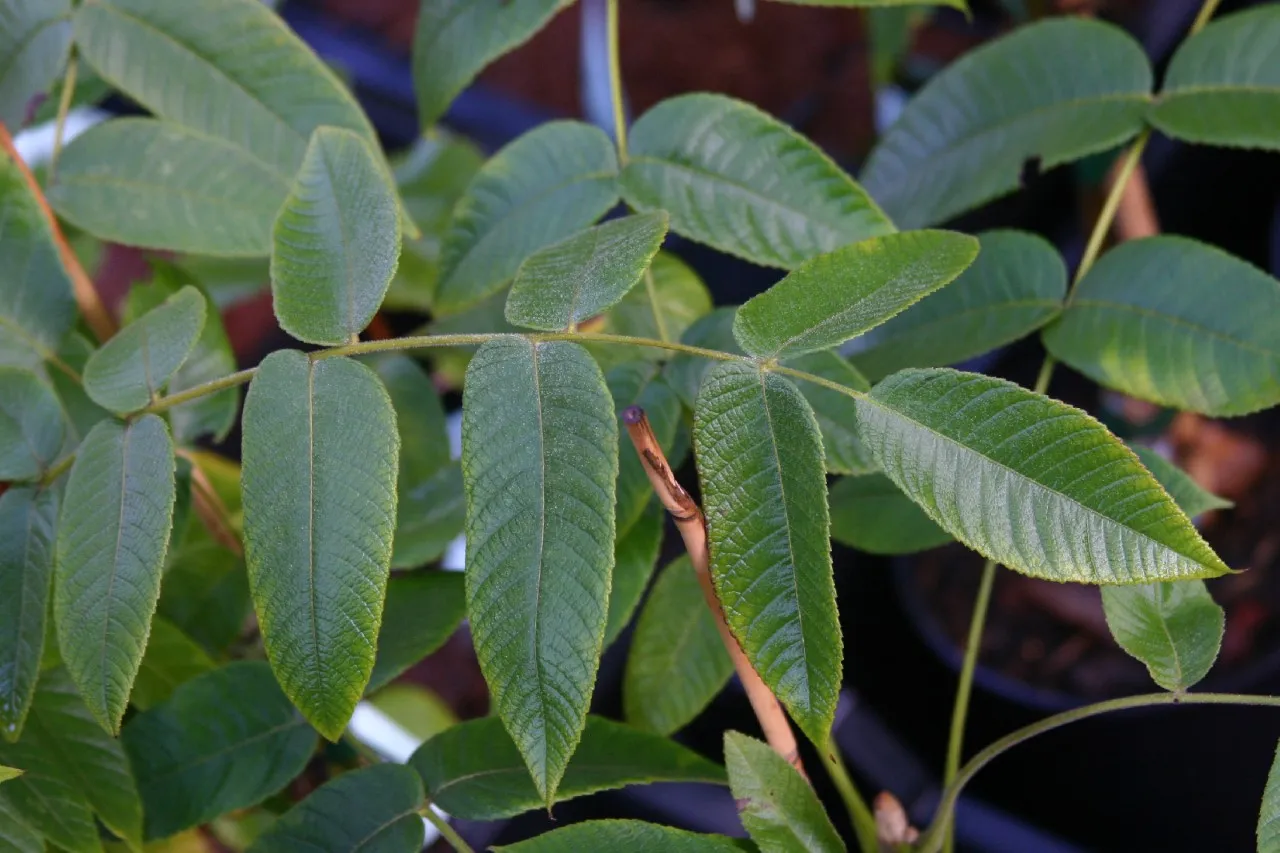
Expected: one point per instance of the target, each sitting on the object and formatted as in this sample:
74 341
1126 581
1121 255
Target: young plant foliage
1175 629
871 514
776 803
423 609
171 659
1269 814
31 425
27 520
769 540
35 36
320 459
112 536
634 836
635 557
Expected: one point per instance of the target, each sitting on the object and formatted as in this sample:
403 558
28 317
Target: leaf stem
57 469
1103 226
615 81
446 831
195 392
64 107
932 839
1206 12
864 821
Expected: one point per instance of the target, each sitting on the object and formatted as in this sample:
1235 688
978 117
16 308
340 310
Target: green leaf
871 514
211 358
171 659
764 492
1052 92
1176 322
132 368
7 773
633 836
581 276
639 384
35 36
320 457
422 611
839 295
36 304
1190 497
546 185
686 373
16 836
635 556
81 413
539 461
1027 481
416 709
228 69
205 592
671 298
678 662
1015 286
1175 629
373 809
153 184
962 5
744 183
27 518
775 803
456 39
73 771
837 413
429 516
336 241
889 33
112 537
224 740
474 771
31 425
1269 814
1223 84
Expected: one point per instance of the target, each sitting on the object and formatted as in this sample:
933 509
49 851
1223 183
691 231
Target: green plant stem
864 821
960 711
932 839
615 81
64 107
1206 12
57 469
446 831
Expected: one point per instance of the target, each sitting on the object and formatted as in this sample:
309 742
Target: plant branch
689 521
95 313
932 840
64 107
1206 12
615 82
57 469
446 831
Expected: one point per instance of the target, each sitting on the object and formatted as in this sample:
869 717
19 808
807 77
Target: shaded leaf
633 836
1269 814
1056 90
837 413
1176 322
16 836
1175 629
455 39
836 296
205 592
775 803
760 463
31 425
549 183
744 183
639 384
372 809
962 5
871 514
417 710
1027 481
1016 284
685 373
27 518
73 770
635 556
35 36
423 610
1190 497
171 659
336 241
450 363
36 304
669 298
131 369
81 412
112 536
224 740
320 458
539 461
1223 84
474 771
579 277
429 517
678 662
211 358
153 184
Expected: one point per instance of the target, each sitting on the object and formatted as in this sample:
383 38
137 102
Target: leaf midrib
115 564
909 331
542 540
575 791
1174 320
177 769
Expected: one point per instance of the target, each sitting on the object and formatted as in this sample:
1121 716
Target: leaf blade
634 836
775 802
871 514
422 611
1174 629
769 546
959 465
171 659
519 556
31 425
688 152
1269 813
116 513
35 37
305 468
27 528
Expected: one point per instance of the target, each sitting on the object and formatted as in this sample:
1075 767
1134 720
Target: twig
209 506
95 313
693 529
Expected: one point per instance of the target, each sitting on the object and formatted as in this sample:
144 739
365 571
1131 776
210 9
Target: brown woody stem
693 529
